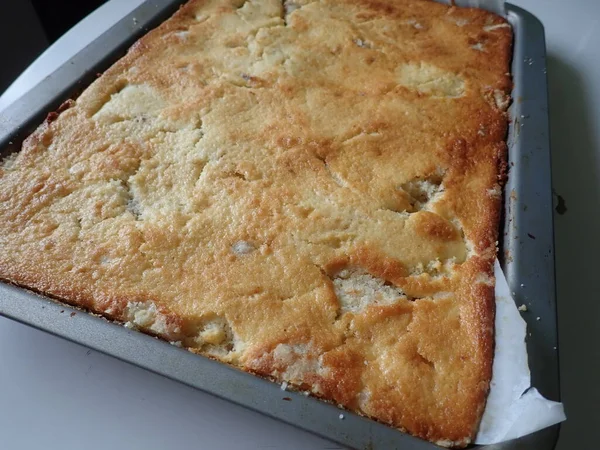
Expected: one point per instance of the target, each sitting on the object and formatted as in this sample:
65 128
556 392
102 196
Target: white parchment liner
513 408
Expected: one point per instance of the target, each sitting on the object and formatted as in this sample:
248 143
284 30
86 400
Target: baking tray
527 249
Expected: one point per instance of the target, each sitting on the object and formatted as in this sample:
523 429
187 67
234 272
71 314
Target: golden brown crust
308 190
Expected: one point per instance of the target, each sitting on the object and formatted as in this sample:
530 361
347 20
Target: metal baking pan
527 249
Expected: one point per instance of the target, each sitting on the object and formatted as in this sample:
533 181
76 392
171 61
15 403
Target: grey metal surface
528 239
527 244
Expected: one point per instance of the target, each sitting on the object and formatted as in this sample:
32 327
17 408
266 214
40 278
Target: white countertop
56 394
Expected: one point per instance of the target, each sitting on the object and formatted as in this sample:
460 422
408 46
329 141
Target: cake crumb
538 318
341 417
284 385
523 307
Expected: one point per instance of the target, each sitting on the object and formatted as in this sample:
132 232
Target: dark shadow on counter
577 238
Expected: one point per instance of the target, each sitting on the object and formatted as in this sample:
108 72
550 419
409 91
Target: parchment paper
513 408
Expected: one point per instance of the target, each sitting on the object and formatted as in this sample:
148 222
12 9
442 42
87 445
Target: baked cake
307 190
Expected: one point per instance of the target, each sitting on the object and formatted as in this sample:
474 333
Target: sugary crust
309 191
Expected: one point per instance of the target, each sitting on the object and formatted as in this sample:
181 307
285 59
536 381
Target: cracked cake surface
307 190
